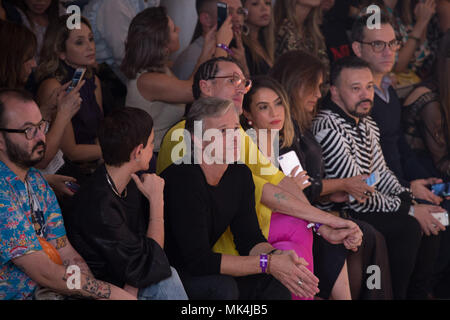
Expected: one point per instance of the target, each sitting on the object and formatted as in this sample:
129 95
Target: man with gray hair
205 200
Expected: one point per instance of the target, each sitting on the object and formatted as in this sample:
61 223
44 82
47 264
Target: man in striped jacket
351 146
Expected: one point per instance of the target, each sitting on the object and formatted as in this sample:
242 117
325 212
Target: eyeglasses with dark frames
379 46
237 81
31 131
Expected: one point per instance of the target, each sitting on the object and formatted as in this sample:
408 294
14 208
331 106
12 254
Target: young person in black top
203 200
117 223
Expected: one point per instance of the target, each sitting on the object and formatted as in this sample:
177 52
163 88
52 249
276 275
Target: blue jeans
167 289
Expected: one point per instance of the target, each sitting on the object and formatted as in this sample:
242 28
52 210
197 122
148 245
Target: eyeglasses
378 46
237 81
32 130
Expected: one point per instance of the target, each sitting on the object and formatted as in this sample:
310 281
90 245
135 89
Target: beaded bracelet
315 227
224 47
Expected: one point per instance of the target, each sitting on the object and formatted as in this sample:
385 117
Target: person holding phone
268 108
17 60
207 12
152 86
64 51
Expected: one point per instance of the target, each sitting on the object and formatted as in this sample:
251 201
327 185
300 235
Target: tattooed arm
43 271
279 200
69 256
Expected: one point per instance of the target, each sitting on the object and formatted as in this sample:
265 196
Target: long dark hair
145 47
298 72
18 45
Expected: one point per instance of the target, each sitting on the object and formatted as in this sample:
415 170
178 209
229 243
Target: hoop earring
245 30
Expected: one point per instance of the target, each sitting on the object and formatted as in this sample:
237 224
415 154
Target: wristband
224 47
315 227
413 37
263 262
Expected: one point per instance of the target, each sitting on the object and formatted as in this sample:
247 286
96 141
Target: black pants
411 255
223 287
373 251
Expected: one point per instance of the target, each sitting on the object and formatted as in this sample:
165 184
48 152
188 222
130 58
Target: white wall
184 15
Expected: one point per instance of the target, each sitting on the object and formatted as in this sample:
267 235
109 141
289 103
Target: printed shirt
17 234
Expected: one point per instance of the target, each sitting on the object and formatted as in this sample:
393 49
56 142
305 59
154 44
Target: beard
20 157
361 115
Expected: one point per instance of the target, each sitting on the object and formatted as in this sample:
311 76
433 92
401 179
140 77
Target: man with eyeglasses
378 47
223 78
34 250
207 19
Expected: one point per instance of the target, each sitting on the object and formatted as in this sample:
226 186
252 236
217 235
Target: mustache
365 100
40 143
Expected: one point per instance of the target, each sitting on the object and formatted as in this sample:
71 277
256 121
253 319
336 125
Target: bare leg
341 288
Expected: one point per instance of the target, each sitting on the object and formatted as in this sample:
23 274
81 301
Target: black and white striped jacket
351 149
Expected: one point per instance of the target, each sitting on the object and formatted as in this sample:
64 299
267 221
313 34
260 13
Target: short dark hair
19 94
360 25
122 131
208 70
351 62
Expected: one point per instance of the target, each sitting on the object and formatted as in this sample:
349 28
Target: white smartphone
442 217
77 77
288 162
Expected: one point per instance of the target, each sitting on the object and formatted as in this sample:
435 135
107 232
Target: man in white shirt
110 21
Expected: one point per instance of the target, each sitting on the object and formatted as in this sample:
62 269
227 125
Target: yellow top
173 149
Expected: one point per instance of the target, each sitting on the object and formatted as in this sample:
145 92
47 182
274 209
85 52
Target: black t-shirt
336 23
109 232
196 214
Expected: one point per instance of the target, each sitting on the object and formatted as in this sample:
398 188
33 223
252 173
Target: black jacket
110 234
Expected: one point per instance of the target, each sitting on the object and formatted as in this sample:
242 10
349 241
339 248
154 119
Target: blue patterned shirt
17 234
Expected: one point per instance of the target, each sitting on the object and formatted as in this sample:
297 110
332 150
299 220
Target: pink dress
290 233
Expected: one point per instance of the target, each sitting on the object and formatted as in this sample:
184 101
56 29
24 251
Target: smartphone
288 162
72 186
222 12
442 217
372 180
441 189
77 77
